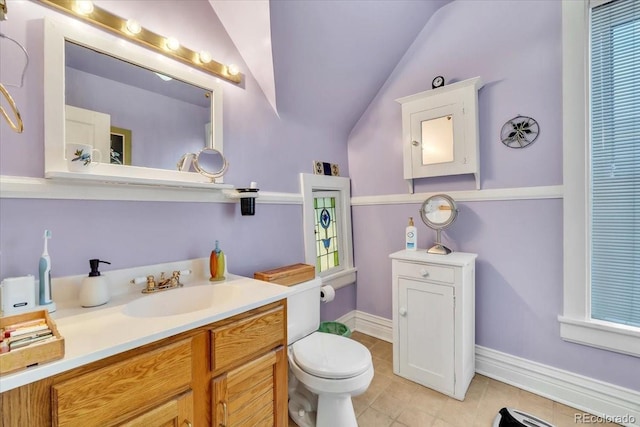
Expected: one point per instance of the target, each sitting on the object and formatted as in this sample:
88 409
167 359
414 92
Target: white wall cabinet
433 299
440 132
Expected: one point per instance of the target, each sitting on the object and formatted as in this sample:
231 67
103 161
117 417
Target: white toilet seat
331 356
322 386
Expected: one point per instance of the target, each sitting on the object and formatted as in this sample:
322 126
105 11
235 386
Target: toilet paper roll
327 293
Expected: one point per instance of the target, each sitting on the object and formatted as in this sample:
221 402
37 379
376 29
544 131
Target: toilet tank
303 309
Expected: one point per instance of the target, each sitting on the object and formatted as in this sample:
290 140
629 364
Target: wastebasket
335 328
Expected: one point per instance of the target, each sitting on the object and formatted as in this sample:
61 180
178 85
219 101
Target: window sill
604 335
340 279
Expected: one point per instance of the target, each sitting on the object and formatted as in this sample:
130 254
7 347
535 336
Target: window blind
615 162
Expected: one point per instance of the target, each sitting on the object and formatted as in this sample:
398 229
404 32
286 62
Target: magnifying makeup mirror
438 212
208 162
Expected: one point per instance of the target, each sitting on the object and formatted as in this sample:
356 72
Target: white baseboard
375 326
584 393
580 392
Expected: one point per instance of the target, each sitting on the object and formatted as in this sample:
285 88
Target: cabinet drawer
238 341
100 397
436 273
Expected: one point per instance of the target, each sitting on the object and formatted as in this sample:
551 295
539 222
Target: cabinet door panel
241 340
250 395
100 397
426 333
174 413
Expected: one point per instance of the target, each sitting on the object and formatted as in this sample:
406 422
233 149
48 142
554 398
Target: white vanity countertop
95 333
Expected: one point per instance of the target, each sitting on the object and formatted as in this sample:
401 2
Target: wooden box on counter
33 354
287 275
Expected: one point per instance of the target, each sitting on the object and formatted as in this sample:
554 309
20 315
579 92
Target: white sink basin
173 302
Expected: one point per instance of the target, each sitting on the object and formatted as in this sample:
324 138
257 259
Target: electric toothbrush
45 276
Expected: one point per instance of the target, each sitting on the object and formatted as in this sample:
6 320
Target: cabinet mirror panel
437 140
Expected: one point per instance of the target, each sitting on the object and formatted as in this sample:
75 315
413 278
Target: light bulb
205 57
233 69
84 7
172 43
163 77
133 26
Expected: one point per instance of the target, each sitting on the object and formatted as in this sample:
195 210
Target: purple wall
519 244
259 145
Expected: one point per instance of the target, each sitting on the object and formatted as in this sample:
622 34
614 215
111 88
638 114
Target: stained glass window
326 232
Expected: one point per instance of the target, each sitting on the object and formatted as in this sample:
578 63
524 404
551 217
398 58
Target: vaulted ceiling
326 59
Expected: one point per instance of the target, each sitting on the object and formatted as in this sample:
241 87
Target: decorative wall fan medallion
519 132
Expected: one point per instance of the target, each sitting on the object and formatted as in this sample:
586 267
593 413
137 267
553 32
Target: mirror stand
438 247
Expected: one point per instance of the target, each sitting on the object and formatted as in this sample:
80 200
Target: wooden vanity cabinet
171 382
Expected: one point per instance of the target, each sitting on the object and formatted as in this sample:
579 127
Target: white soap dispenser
94 289
411 234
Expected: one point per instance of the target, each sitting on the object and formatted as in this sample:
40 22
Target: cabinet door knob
403 311
415 143
424 273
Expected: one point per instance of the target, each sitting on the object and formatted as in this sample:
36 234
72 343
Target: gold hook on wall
19 127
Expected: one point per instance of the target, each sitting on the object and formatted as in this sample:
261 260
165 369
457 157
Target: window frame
576 324
319 183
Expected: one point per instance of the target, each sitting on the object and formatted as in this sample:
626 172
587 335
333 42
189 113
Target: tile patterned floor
392 401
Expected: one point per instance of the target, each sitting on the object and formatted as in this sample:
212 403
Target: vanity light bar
108 21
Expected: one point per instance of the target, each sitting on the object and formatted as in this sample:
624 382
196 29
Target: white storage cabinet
433 299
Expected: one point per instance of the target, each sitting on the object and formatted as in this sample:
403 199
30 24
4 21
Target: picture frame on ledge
120 146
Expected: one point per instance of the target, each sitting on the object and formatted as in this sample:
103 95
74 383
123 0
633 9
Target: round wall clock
519 132
438 212
437 82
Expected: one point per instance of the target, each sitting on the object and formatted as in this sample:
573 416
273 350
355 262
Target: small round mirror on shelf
438 212
211 163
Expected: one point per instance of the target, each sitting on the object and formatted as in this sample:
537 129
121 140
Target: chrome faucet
163 283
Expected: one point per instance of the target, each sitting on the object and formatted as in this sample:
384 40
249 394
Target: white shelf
97 178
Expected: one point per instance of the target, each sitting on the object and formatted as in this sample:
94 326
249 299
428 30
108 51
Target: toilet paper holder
327 293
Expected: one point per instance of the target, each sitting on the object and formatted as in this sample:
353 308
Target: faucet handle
151 283
138 280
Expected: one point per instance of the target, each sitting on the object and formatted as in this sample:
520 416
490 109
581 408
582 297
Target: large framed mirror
140 110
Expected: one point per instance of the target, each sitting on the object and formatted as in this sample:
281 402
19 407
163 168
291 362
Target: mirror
210 163
153 119
437 140
142 118
438 212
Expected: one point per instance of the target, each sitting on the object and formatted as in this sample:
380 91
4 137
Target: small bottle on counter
94 289
217 264
411 234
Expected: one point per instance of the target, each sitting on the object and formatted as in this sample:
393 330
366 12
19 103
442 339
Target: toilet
325 370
